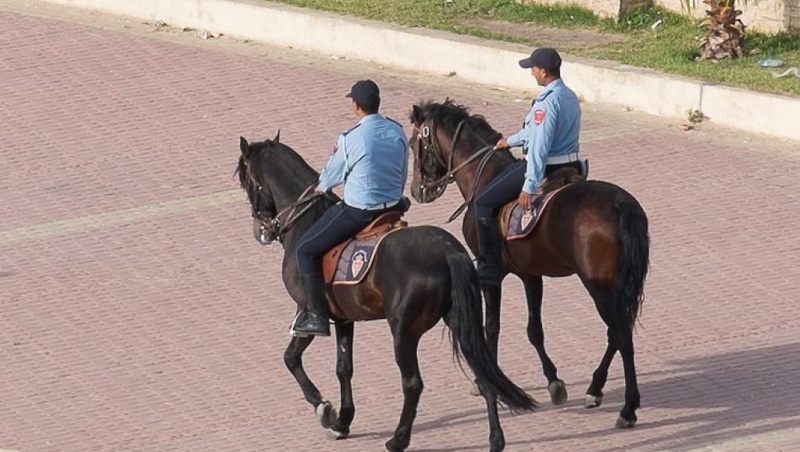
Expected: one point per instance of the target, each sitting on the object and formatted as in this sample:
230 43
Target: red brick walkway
137 313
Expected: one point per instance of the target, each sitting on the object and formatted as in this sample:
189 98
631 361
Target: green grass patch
671 47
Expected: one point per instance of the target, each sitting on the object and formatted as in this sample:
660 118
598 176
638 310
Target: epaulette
542 96
390 119
351 129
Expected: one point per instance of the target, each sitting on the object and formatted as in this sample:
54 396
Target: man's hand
502 143
525 200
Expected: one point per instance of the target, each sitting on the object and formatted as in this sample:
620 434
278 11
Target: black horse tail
634 259
465 320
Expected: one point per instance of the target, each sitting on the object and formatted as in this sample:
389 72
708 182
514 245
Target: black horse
594 229
422 274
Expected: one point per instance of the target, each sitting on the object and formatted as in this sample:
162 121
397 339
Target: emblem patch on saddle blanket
521 223
356 259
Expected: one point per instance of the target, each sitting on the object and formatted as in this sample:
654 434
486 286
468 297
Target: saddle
516 223
350 261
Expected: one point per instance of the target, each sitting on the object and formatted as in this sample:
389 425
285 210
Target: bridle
271 225
428 147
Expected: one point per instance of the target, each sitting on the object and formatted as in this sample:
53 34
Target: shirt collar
549 88
370 118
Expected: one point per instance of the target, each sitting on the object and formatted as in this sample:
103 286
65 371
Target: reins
440 185
274 224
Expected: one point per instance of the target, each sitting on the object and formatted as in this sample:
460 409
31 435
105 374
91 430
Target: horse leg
624 337
594 395
620 337
492 296
344 371
293 358
533 293
497 439
405 353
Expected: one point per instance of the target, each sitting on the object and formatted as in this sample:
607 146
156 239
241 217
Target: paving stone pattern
137 313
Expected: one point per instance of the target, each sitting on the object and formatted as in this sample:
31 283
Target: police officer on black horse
371 161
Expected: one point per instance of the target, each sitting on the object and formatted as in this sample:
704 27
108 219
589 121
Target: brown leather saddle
349 261
516 223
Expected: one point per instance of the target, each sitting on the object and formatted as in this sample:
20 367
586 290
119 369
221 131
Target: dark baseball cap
365 92
544 57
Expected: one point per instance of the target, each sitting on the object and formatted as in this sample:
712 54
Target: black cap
365 92
544 57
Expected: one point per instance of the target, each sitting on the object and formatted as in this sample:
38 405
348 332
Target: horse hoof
558 392
392 446
497 444
336 435
592 401
622 423
326 414
473 389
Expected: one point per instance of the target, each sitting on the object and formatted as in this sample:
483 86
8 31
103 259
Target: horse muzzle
424 194
262 232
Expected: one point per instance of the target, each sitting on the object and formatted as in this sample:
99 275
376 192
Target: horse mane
272 153
241 171
449 115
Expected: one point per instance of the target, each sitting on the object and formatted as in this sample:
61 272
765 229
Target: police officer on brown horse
549 139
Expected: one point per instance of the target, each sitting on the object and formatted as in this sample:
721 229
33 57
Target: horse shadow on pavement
738 395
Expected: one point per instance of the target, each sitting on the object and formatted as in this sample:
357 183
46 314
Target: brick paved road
137 313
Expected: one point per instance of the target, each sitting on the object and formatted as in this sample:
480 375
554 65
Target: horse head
253 174
278 182
446 139
430 165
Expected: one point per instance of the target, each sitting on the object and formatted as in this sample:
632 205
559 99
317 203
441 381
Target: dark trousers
337 224
507 186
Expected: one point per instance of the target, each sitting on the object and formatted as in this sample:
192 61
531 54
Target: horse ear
277 138
416 114
244 146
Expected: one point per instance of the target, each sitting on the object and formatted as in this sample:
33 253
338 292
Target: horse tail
465 319
634 259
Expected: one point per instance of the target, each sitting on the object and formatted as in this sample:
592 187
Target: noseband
429 148
272 224
427 144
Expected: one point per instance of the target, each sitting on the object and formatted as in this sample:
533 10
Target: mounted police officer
371 161
549 139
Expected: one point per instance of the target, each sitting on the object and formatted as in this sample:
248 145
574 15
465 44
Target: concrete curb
470 58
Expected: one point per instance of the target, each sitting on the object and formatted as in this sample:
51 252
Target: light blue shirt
371 160
552 127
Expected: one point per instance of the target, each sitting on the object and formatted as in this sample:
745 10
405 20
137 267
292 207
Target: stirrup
294 333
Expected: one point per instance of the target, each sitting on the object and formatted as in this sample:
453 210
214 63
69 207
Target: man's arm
335 171
544 124
521 136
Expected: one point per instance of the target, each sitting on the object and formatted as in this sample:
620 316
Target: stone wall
761 15
792 14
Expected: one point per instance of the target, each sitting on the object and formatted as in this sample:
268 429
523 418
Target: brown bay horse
592 229
420 275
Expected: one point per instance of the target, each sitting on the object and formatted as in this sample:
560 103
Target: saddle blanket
521 223
357 257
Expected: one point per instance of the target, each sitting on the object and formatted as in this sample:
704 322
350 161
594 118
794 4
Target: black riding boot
316 321
489 243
